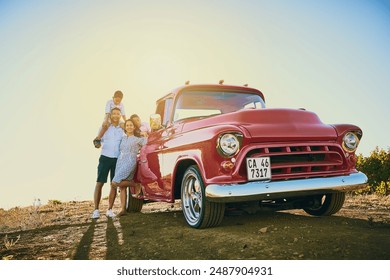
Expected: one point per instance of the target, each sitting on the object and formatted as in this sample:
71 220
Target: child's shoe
97 143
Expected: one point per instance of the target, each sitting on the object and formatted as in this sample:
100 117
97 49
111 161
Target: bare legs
123 196
123 185
98 195
105 126
111 197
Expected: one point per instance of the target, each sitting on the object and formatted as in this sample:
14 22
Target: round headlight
229 144
350 142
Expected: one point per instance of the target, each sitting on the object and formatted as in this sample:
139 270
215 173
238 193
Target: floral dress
127 160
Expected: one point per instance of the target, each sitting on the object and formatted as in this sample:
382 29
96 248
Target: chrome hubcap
192 198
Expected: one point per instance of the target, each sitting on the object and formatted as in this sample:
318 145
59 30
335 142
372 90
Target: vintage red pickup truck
218 147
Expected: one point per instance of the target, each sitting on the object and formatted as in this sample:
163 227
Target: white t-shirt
111 105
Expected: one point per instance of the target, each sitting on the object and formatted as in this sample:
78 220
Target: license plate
258 168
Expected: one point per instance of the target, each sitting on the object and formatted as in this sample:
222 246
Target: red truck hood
277 125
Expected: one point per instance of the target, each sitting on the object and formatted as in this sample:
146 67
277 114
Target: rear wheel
326 205
198 212
134 204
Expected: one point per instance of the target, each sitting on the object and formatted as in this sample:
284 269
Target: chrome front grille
302 161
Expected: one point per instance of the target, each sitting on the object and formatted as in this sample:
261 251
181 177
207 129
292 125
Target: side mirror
155 122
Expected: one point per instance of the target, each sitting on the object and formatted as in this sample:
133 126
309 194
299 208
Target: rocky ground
64 230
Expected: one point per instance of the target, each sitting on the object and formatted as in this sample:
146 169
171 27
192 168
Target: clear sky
60 61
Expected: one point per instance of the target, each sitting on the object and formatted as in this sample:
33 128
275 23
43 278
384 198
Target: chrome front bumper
282 189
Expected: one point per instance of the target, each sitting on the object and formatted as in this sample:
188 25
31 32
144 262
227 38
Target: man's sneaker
96 214
97 143
110 214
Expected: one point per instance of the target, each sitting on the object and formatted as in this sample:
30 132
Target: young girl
142 127
130 145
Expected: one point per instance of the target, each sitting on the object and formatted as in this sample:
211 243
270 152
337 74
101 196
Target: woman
130 145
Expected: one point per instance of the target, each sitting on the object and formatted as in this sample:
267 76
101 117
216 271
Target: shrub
377 169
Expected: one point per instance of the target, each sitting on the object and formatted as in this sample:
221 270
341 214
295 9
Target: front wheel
326 205
198 212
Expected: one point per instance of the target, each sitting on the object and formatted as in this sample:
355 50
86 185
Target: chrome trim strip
282 189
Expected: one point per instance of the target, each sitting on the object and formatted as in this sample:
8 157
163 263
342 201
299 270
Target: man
107 162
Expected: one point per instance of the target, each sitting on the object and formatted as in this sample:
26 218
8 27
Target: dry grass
65 230
32 217
370 201
60 213
372 207
9 243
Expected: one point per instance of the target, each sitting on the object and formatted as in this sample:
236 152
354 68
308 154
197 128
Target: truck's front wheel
327 205
198 212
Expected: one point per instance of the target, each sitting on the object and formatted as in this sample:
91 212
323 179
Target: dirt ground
64 230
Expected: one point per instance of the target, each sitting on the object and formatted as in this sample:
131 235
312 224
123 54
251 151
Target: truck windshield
192 104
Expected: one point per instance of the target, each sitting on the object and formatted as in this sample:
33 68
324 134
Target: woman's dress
127 160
